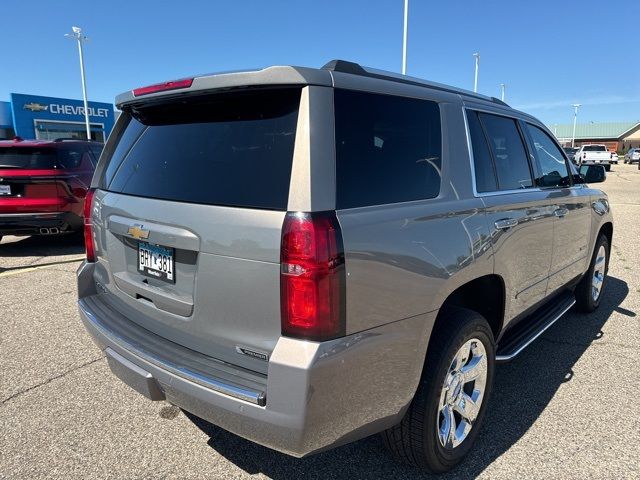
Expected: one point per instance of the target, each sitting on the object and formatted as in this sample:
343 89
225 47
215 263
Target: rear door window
388 149
233 149
508 152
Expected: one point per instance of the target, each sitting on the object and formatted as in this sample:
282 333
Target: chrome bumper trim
251 396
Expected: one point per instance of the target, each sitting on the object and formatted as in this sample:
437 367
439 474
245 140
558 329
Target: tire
607 168
416 439
585 301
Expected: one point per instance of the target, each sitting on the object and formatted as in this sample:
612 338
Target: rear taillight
312 278
161 87
88 226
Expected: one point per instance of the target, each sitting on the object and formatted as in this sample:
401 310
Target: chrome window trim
472 163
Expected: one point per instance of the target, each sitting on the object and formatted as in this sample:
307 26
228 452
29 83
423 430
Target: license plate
5 189
156 261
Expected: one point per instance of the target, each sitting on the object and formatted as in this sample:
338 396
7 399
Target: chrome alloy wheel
598 273
462 393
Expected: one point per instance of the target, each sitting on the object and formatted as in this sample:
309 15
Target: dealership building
617 136
48 118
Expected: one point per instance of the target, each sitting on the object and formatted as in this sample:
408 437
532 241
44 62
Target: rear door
520 216
191 203
28 180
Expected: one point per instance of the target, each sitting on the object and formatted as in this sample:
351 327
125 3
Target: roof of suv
285 75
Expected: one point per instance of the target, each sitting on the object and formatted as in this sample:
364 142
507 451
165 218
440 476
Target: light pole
77 35
475 80
404 37
502 89
575 118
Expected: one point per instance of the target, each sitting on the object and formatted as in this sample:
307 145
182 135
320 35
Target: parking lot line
17 270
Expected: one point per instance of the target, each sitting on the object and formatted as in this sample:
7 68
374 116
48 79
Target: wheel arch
484 295
607 230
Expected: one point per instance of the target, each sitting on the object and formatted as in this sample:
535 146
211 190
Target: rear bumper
595 162
316 395
31 223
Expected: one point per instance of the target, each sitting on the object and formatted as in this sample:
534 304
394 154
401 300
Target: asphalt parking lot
567 407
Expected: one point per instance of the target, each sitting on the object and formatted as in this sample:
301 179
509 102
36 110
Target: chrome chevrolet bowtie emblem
137 231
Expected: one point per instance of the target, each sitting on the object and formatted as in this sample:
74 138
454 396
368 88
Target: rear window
233 149
594 148
388 149
35 158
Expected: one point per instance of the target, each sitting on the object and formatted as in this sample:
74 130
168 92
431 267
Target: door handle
506 223
560 212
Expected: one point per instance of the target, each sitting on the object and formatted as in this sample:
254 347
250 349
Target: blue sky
549 53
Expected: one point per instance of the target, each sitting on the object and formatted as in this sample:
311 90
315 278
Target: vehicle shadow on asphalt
40 246
523 389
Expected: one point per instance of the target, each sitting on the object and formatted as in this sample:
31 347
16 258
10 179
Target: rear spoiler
272 76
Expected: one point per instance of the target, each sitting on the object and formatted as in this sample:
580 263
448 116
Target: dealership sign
29 110
62 109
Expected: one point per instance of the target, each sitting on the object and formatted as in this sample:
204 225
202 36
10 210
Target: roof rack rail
499 102
345 66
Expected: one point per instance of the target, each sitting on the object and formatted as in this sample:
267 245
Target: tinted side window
119 144
483 165
553 168
70 158
388 149
509 154
96 150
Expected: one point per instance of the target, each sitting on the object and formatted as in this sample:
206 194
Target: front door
571 211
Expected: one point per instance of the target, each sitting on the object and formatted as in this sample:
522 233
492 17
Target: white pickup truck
595 155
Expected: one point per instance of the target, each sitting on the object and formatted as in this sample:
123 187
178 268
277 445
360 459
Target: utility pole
77 35
404 37
502 88
575 118
475 81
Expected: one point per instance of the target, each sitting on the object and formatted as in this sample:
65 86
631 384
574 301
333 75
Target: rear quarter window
233 149
388 149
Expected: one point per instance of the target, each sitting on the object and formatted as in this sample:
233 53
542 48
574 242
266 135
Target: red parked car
43 184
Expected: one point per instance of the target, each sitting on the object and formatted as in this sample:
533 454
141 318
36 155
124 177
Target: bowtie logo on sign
35 107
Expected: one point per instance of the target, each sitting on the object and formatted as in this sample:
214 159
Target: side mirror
593 173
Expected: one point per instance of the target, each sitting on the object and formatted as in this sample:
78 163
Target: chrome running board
513 343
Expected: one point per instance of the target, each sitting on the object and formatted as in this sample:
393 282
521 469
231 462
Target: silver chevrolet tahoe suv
306 257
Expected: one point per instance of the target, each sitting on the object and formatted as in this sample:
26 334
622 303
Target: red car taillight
312 277
88 226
